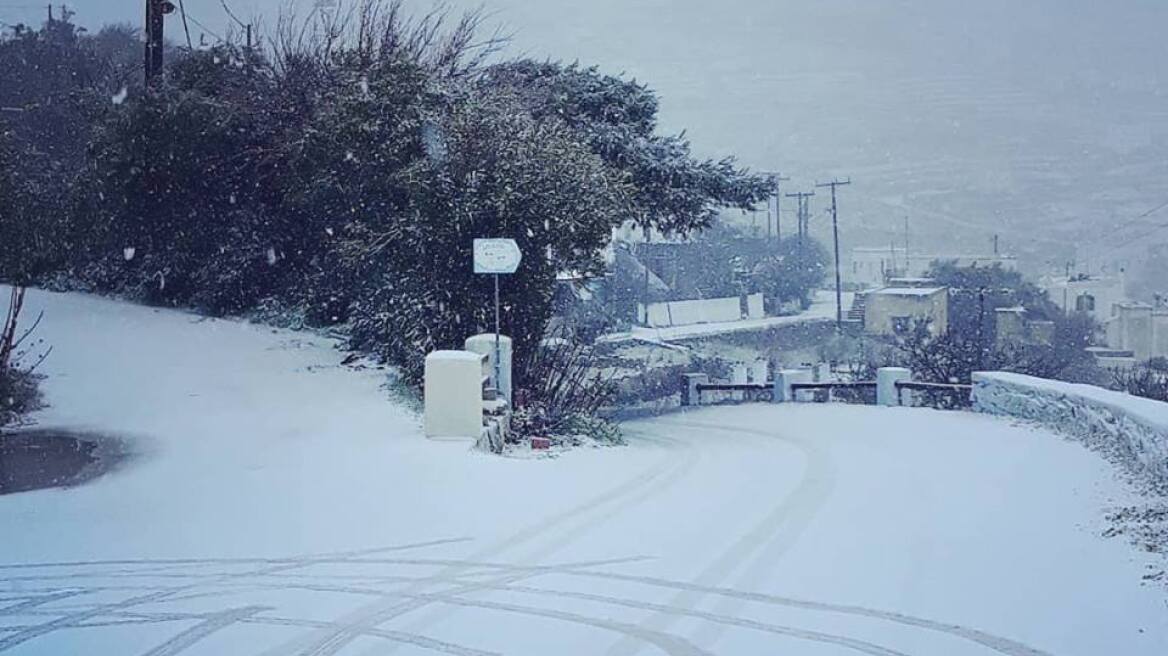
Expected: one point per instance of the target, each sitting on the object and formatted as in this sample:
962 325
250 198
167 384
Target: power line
1147 233
186 28
205 28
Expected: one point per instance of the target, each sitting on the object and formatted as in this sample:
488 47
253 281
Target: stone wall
1133 430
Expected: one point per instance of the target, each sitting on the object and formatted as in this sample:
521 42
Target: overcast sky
1041 120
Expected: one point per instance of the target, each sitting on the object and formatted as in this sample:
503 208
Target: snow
909 291
1130 429
823 308
1148 410
283 504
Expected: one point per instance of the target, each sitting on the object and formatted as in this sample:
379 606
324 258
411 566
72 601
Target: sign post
497 257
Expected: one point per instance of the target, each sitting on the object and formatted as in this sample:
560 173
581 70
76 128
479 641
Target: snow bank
1132 428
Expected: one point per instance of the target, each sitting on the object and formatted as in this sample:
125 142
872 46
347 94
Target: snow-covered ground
283 504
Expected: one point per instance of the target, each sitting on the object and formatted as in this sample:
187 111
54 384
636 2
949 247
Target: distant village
885 290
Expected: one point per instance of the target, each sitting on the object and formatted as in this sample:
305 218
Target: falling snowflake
271 255
128 253
120 97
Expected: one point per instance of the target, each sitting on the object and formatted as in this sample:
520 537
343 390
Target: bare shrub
562 392
18 378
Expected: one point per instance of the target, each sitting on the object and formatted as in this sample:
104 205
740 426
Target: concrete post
783 381
760 371
689 388
453 395
886 380
740 374
485 344
821 372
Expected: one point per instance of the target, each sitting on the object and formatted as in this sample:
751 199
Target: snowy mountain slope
286 505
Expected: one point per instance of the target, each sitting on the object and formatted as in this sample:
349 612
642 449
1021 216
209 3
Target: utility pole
801 217
777 179
839 293
995 245
981 292
906 244
156 10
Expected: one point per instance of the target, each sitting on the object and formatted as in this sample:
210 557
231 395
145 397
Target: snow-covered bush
343 174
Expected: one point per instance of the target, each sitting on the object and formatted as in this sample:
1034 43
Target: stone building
893 309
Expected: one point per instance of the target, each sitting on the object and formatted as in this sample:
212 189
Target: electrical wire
186 28
206 29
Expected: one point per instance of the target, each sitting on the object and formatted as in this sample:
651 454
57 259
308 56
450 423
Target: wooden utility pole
776 179
906 244
802 217
156 11
839 293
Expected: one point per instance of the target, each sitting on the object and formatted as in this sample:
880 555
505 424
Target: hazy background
1042 121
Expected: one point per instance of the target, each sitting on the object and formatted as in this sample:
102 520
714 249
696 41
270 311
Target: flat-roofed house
894 309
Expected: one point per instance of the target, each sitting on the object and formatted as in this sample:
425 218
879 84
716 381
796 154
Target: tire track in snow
586 569
391 636
71 619
376 614
212 623
777 629
794 512
996 643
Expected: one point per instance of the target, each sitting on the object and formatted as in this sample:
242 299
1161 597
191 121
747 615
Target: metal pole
498 349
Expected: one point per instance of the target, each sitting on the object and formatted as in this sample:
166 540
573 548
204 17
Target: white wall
1065 293
882 308
1132 429
709 310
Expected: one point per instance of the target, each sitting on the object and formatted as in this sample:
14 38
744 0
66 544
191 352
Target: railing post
784 379
485 344
690 394
887 393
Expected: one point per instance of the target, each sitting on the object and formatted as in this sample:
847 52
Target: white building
872 266
894 309
1139 328
1096 295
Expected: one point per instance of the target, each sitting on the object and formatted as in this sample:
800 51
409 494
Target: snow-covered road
282 505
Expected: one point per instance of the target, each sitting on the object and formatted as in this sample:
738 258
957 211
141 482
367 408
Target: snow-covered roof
454 355
909 291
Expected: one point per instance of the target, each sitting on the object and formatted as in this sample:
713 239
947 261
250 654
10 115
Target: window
901 324
1085 303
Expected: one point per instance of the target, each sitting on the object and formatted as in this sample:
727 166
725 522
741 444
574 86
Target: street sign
497 256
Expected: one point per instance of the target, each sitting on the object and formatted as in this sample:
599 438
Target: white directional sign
496 256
